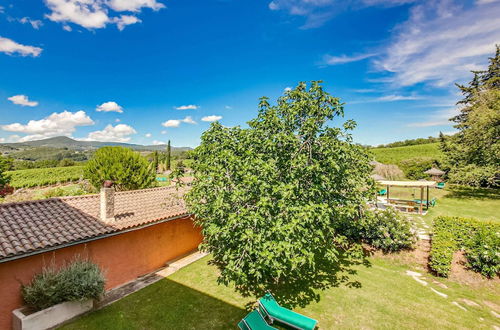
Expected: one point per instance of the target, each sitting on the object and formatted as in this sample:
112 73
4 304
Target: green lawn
387 298
480 203
397 154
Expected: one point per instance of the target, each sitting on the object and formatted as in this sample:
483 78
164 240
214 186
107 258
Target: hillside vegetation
397 154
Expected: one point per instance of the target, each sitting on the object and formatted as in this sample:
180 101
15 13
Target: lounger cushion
254 321
285 315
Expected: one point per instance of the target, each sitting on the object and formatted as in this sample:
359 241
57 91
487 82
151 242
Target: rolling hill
64 142
395 155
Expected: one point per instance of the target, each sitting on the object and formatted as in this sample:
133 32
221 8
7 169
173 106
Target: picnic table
405 204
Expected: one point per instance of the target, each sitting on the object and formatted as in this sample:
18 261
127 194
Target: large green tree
126 168
271 198
5 165
473 154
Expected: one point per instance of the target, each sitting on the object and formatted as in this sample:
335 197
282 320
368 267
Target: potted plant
55 296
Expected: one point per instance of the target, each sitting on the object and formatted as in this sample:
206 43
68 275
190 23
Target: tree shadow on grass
473 193
307 287
164 305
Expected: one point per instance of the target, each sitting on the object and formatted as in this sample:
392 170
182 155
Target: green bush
476 176
127 169
483 252
60 192
478 239
388 230
79 280
414 168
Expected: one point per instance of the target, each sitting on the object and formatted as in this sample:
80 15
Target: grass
397 154
387 298
479 203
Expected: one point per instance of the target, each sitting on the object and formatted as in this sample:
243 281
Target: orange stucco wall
122 257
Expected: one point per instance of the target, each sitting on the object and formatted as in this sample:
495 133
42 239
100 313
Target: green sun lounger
440 185
270 308
254 321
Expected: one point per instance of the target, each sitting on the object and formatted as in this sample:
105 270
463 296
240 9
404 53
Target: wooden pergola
423 185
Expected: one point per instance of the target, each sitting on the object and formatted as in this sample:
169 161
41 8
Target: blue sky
146 71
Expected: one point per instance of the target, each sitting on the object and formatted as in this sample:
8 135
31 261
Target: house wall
123 258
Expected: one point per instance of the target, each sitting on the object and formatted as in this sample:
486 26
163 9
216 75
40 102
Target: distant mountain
71 144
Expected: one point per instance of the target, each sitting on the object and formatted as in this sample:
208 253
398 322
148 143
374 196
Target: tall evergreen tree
169 151
482 80
473 154
155 161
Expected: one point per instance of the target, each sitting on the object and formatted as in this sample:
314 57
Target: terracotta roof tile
34 225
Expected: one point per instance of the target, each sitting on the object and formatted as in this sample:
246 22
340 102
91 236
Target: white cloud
318 12
388 98
14 138
35 23
211 118
177 122
188 107
287 89
96 14
63 123
157 143
188 120
11 47
438 118
22 100
441 42
67 28
118 133
2 140
342 59
163 132
124 20
228 107
117 120
135 5
90 14
392 98
148 135
110 106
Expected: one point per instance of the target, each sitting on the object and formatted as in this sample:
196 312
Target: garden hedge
480 241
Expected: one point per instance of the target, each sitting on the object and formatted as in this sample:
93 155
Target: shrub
59 192
476 176
414 168
478 239
483 252
388 230
79 280
127 169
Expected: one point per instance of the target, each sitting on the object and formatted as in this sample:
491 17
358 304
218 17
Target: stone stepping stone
444 295
459 306
416 276
470 302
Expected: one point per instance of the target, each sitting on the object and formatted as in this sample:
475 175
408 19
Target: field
44 176
397 154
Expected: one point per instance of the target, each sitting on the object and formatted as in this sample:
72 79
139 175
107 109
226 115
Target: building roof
434 171
377 177
408 183
37 225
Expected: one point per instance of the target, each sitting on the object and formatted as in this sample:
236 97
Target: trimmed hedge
479 240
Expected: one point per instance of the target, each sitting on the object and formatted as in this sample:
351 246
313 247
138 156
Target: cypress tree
168 155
